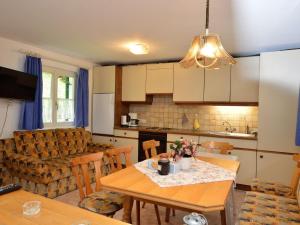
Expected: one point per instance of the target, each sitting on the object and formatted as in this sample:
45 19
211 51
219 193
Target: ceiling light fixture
139 49
206 50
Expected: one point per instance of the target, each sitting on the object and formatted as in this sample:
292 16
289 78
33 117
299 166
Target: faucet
228 128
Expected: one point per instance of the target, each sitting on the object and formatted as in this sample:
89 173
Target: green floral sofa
269 209
40 160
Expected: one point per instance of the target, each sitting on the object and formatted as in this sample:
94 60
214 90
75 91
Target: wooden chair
277 188
115 158
102 202
150 147
222 147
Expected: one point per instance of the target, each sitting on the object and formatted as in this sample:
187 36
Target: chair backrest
116 155
296 174
222 147
150 145
80 167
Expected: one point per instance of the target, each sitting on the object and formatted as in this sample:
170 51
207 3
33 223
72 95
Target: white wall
11 57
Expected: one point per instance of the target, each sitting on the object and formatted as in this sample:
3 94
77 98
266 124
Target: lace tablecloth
200 172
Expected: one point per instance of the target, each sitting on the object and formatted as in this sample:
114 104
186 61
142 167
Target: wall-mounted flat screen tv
17 85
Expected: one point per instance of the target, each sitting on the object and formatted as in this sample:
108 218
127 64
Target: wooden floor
148 213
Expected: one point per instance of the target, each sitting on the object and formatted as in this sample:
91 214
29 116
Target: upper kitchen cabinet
217 85
133 83
278 101
188 84
245 80
104 79
159 78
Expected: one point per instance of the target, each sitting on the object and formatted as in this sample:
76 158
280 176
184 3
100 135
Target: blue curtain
82 100
298 123
32 111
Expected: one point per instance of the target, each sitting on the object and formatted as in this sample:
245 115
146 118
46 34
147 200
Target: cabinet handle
125 133
261 156
181 137
229 153
116 140
110 140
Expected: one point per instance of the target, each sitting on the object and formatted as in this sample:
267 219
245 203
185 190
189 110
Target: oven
146 136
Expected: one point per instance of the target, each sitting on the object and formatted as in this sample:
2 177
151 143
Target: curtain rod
34 54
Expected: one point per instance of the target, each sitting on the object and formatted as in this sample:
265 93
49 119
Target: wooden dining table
52 212
202 197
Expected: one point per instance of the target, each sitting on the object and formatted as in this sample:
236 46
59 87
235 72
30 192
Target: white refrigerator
103 113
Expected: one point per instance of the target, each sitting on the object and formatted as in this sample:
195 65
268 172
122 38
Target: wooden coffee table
205 197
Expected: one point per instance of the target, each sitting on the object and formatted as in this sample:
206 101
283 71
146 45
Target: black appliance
157 136
17 85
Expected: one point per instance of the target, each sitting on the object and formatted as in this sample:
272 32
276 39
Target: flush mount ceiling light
206 50
139 49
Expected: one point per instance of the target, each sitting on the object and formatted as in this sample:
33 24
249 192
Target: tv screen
17 85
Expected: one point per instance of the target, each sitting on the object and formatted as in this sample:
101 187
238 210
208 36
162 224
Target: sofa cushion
71 140
40 144
260 208
271 188
103 202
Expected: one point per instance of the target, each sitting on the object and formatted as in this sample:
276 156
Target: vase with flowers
183 151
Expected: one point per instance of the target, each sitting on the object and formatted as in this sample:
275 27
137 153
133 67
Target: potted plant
183 151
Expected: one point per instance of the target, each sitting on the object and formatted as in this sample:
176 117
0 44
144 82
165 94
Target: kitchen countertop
191 132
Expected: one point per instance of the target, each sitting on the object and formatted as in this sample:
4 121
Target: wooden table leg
167 217
223 217
138 211
157 214
127 209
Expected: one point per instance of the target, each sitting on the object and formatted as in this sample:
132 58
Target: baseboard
243 187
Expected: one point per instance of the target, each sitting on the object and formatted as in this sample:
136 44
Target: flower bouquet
183 149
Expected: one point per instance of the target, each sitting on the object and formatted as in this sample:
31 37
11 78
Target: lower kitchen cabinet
247 170
275 167
103 139
121 142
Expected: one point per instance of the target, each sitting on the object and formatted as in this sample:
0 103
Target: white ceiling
97 30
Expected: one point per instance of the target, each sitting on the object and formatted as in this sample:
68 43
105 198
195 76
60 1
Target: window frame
56 73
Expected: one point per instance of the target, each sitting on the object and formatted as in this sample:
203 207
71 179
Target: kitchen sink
231 134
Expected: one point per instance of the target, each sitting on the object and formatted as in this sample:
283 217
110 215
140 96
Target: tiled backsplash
164 113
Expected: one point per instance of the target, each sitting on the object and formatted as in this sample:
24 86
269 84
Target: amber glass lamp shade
207 52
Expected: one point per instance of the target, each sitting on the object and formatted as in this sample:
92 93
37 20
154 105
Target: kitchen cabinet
245 150
104 79
119 142
275 167
133 83
217 85
245 80
123 142
247 170
174 137
103 139
188 84
278 101
159 78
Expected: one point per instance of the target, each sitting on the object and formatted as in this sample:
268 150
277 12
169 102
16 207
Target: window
58 97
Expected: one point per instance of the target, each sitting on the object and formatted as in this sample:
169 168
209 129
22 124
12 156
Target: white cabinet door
133 83
245 80
275 167
104 79
122 142
217 85
103 139
278 100
247 170
159 78
188 84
